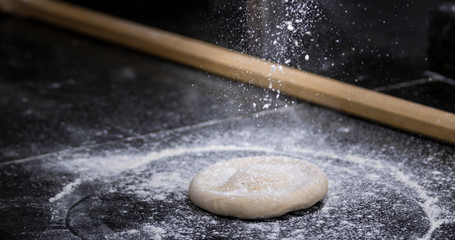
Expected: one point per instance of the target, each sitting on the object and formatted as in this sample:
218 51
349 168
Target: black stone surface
60 90
98 141
382 184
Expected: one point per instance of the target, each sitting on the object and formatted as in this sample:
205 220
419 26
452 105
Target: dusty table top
101 142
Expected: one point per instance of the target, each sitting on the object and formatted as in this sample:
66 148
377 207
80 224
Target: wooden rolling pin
317 89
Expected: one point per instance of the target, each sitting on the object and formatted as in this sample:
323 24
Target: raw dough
258 187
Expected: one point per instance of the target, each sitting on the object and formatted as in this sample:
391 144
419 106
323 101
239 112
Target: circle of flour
258 187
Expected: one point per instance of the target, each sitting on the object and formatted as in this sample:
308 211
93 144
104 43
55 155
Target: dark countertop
101 142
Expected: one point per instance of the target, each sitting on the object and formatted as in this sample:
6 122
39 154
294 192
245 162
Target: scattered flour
370 194
68 188
161 179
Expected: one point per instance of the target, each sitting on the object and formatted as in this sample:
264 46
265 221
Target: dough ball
258 187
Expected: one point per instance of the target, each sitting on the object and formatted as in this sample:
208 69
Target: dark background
369 41
372 44
66 97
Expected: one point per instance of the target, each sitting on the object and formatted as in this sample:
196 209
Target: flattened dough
258 187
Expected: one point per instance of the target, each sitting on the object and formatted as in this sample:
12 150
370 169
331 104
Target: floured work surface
61 91
382 184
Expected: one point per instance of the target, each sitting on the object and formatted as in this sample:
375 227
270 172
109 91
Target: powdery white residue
315 153
162 178
362 160
155 232
132 231
171 180
68 188
100 165
157 186
428 206
429 203
159 196
432 211
147 232
273 229
178 151
373 177
113 164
